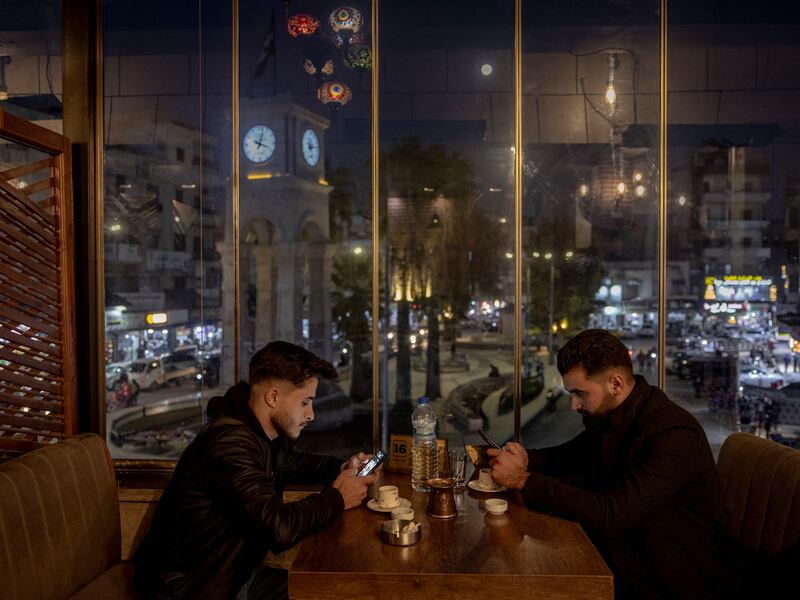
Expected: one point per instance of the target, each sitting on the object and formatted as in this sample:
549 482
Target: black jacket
223 508
644 484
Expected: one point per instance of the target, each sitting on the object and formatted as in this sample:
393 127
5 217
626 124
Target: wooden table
522 554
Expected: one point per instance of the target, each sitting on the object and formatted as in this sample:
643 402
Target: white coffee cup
388 496
485 480
403 512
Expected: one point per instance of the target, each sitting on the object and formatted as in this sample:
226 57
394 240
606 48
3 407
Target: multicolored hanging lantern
358 57
302 24
311 69
334 94
345 18
345 22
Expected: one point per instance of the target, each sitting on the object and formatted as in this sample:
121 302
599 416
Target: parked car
647 331
152 373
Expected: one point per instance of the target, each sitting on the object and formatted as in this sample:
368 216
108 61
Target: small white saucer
373 505
473 485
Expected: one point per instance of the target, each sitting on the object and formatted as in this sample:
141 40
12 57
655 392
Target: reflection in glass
304 206
590 198
732 215
30 62
166 206
447 216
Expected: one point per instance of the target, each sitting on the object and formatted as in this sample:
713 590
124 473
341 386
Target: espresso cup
388 496
403 512
485 480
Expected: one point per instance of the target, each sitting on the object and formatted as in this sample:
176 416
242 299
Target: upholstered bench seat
60 524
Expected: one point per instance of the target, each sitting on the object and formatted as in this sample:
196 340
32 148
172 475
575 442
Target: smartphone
372 464
489 439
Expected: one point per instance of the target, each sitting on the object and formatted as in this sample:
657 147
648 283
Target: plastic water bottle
424 451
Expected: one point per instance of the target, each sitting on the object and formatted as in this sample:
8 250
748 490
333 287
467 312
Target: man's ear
271 396
616 383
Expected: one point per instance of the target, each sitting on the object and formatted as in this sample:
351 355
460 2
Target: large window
300 260
304 209
590 195
447 232
167 225
733 192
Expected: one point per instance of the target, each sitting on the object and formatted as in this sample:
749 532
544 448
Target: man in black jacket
640 478
223 509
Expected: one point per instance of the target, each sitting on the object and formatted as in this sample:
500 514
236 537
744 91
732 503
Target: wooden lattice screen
37 326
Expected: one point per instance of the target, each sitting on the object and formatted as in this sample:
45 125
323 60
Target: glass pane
30 62
167 220
590 197
734 235
305 212
447 232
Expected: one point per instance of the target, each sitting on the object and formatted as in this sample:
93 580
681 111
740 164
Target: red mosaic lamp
302 24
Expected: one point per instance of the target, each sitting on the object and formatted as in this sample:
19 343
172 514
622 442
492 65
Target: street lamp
552 326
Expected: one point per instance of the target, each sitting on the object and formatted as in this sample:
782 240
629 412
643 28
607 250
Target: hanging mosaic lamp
334 94
345 22
311 69
345 18
302 24
358 57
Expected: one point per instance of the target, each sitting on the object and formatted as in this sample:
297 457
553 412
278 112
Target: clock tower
285 251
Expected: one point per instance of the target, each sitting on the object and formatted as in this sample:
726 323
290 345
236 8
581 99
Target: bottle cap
423 400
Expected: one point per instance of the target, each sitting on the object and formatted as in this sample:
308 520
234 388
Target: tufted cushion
761 486
59 519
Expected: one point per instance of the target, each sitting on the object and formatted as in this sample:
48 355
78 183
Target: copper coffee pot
441 503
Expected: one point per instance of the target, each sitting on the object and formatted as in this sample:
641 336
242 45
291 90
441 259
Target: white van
151 373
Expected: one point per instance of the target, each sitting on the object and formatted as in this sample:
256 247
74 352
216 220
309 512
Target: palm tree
435 233
351 276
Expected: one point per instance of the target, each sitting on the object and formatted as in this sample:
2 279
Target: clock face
259 143
310 147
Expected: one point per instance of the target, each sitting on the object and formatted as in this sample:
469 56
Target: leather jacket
223 509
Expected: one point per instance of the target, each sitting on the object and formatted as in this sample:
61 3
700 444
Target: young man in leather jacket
223 509
641 479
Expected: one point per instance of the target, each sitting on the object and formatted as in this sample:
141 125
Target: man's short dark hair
596 350
282 360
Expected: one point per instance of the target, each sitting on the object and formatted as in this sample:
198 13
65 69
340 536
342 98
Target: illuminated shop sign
729 308
156 318
738 288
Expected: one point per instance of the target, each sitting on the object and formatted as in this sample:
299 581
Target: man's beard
599 419
283 424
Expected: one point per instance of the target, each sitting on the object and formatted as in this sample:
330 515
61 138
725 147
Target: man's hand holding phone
352 487
490 440
509 465
373 464
356 461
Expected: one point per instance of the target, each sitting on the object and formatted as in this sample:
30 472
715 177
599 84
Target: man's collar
623 415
